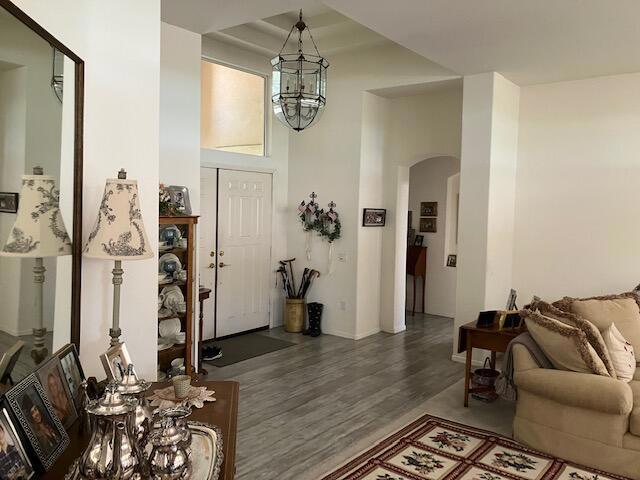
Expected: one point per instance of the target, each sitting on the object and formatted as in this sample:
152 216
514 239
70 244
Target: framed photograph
54 382
418 241
8 202
179 196
452 260
115 361
374 217
14 461
428 209
429 225
29 404
68 356
511 300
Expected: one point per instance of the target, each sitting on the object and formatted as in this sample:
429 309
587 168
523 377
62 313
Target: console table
417 267
223 413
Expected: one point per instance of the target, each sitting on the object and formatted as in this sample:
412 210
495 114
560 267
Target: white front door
244 251
207 246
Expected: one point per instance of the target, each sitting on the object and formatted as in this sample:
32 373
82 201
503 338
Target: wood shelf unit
187 226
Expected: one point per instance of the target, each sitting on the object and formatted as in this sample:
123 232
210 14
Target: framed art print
43 430
73 372
429 225
374 217
418 240
8 202
428 209
54 382
14 460
452 260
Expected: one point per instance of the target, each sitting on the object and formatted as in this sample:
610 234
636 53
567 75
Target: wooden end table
223 413
487 338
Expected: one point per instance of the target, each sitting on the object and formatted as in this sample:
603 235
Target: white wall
487 177
275 162
577 231
375 115
327 159
428 182
122 77
421 126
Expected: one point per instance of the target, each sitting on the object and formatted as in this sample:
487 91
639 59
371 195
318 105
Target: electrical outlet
342 257
343 305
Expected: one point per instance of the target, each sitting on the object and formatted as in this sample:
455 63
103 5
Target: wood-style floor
25 365
302 405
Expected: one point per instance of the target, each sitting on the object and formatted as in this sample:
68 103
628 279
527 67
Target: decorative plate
169 328
173 297
170 234
163 344
169 257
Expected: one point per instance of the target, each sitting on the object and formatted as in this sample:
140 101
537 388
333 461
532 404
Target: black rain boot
314 310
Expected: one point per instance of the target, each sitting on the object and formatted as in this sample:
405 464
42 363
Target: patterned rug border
359 465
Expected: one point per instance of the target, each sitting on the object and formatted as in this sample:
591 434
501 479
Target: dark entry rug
432 448
244 347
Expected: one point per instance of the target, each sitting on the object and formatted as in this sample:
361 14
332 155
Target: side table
487 338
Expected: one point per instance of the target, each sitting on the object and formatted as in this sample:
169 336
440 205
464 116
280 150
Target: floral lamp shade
39 230
119 232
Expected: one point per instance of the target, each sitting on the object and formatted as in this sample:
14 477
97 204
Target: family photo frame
54 382
115 362
42 429
14 460
70 362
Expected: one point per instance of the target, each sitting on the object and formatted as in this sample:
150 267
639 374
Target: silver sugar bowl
179 415
112 450
170 457
132 386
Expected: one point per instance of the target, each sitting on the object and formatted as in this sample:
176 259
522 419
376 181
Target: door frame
222 166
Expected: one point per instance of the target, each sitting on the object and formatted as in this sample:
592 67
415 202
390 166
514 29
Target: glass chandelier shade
299 84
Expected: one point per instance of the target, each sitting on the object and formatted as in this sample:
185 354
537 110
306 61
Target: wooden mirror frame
76 269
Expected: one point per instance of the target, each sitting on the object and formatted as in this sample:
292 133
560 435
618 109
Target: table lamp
118 235
38 232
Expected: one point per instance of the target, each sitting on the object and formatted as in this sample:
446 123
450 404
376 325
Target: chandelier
299 83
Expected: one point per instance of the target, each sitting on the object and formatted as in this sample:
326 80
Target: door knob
221 253
222 264
212 265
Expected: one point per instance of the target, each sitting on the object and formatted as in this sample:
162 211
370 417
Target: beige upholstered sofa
590 419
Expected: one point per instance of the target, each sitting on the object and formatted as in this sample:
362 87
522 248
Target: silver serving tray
206 454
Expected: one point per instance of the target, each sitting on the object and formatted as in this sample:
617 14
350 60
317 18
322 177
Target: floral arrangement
166 206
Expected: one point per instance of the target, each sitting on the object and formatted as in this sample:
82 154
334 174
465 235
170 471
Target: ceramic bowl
180 338
166 258
177 362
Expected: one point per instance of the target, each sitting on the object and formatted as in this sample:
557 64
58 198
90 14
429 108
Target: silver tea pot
169 457
112 450
132 386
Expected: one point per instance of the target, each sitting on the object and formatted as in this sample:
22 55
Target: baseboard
366 334
338 333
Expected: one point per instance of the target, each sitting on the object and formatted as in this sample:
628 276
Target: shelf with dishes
175 295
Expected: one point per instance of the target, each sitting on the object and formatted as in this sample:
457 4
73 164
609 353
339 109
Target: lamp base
39 352
115 336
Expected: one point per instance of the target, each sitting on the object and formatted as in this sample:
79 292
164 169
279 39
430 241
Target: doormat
244 347
436 449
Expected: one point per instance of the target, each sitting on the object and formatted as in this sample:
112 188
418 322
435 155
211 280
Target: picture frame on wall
429 225
70 361
9 202
374 217
43 430
115 362
54 382
428 209
14 460
419 240
452 260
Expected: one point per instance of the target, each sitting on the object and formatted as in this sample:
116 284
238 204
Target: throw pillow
566 347
623 310
621 352
593 334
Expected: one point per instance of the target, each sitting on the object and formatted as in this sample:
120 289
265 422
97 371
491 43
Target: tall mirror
40 194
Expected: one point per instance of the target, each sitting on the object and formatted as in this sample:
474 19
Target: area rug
436 449
244 347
